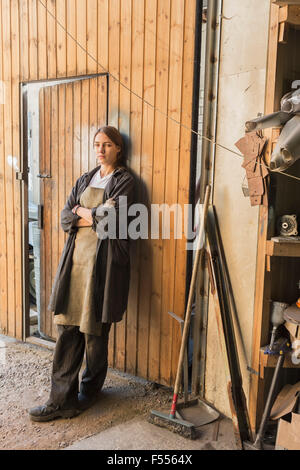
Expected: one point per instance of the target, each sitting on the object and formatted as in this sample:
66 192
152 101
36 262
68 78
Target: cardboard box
288 434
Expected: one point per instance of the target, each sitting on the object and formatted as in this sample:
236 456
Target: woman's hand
109 202
84 214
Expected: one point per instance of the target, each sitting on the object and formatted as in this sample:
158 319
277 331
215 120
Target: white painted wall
242 78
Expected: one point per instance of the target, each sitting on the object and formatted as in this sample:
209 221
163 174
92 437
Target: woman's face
106 150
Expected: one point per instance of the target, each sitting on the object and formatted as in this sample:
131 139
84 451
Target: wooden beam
289 14
286 2
262 282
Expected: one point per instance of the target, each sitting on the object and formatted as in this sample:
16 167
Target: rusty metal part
288 225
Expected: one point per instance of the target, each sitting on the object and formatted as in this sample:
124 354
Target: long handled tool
258 444
173 421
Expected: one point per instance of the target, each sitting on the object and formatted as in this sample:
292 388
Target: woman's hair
115 136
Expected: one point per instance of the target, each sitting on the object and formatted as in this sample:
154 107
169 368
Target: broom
173 421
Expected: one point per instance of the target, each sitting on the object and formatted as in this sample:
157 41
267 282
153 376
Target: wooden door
70 113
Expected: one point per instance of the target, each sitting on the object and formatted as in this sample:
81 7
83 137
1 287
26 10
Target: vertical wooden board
3 229
42 41
125 66
136 123
114 63
81 6
62 160
102 28
17 187
102 101
113 46
9 170
171 185
51 39
24 39
146 178
33 40
55 170
69 140
71 38
184 171
93 119
262 283
124 127
85 124
77 171
92 40
61 35
160 128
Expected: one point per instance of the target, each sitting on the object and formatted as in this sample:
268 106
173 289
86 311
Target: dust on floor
25 372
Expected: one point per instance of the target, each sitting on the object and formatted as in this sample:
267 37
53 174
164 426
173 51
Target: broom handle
190 298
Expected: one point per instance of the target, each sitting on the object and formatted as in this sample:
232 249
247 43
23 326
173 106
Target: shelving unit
277 264
267 360
283 248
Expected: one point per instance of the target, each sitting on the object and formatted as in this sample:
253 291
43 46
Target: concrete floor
138 434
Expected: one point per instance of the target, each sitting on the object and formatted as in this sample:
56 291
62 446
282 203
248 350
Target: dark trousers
68 356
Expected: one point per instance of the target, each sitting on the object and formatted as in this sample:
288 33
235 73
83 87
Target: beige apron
80 296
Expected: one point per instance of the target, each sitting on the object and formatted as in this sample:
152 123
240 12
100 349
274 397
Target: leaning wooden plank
226 332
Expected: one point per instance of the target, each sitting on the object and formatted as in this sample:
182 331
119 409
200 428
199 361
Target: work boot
85 401
44 413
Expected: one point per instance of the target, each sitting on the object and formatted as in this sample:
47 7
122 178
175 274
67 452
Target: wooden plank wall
149 46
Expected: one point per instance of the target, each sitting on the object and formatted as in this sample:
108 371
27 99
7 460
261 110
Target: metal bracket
252 371
20 175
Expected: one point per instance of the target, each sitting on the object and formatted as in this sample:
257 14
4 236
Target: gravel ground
25 382
25 372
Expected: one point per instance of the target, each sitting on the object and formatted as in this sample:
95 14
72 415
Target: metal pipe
212 55
212 52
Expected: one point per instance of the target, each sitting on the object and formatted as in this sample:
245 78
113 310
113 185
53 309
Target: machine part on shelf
258 443
280 346
223 310
287 149
292 314
271 120
288 225
277 318
173 421
290 102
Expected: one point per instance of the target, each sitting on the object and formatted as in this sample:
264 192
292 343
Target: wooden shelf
268 360
283 248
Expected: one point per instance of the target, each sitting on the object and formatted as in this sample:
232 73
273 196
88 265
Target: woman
91 286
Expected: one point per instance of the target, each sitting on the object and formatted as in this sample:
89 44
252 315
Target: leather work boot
85 402
44 413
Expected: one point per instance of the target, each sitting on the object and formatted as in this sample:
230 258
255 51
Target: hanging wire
151 105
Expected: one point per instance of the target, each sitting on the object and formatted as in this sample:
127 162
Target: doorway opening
59 117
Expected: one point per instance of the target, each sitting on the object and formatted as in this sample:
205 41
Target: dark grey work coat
112 266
